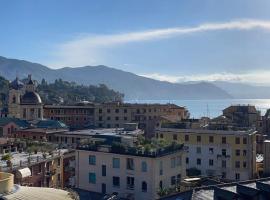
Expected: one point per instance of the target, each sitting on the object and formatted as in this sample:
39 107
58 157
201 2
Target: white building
133 175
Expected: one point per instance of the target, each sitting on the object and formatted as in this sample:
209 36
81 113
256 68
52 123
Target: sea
211 108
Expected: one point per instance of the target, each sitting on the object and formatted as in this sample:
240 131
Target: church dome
16 84
31 98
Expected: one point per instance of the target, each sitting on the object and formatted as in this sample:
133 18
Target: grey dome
31 98
16 84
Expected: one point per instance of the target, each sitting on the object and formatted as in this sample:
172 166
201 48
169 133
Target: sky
171 40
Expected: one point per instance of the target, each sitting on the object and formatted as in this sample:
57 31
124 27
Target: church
24 102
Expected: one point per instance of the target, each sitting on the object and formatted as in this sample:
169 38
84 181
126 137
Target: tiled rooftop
252 189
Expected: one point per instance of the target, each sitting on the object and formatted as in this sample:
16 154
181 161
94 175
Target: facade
114 115
243 115
230 155
73 138
10 191
130 175
75 116
266 158
24 102
147 116
39 171
38 134
244 190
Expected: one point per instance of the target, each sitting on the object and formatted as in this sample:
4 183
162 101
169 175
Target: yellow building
230 155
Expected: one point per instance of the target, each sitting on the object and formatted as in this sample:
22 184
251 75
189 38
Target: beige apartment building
148 116
114 115
228 154
130 174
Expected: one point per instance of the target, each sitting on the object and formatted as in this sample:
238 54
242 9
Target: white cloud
256 77
86 49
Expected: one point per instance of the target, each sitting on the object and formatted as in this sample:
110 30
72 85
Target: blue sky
174 40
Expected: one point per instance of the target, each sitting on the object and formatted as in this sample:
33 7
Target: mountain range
133 86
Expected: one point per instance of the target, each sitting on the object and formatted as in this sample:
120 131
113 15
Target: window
116 118
92 160
173 180
160 184
116 162
173 163
244 152
223 140
130 182
125 110
174 137
224 152
178 179
237 164
103 170
130 164
199 150
117 110
211 139
199 138
178 161
223 175
144 166
100 110
187 160
161 135
144 186
237 176
223 164
108 118
108 110
237 152
92 178
237 140
211 162
244 164
211 150
160 168
116 181
244 140
125 118
100 118
186 138
199 161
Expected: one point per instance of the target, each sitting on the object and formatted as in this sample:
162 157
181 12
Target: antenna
207 110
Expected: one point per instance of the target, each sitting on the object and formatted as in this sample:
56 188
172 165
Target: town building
9 125
114 115
266 158
228 154
40 169
10 191
243 190
24 102
127 135
130 172
79 116
243 115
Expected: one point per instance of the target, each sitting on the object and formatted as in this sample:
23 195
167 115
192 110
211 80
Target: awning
23 173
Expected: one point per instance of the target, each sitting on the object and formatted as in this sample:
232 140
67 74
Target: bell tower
14 99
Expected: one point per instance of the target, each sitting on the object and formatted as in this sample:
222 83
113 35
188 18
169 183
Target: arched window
144 186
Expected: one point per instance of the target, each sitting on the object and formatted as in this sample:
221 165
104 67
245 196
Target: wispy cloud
256 77
86 49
